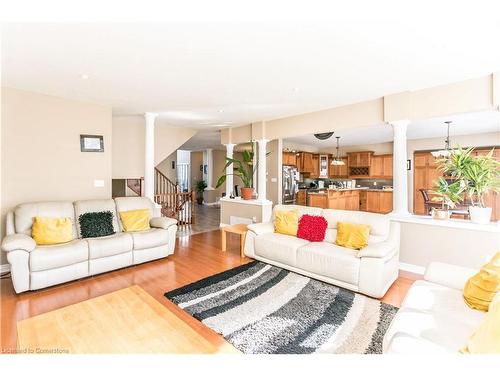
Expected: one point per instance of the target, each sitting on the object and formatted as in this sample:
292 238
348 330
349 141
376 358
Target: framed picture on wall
91 143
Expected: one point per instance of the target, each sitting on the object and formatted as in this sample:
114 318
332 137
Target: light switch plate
98 183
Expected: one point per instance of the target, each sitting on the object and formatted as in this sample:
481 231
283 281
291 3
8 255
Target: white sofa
34 267
433 317
370 271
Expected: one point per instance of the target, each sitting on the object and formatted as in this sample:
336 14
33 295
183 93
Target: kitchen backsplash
369 183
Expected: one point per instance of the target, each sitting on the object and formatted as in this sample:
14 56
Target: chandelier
337 160
446 152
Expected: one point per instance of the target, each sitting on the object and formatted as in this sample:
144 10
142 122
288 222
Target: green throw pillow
96 224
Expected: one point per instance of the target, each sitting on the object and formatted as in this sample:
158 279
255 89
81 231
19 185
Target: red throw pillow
312 228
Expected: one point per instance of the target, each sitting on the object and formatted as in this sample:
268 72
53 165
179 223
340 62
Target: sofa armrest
448 275
162 222
377 250
261 228
18 242
403 343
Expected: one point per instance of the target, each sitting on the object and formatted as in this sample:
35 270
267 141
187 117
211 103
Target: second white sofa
34 267
370 271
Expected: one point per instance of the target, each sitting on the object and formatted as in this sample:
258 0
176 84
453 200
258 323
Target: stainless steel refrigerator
290 184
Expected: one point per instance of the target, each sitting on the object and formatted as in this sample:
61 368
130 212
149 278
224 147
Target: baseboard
412 268
4 268
211 203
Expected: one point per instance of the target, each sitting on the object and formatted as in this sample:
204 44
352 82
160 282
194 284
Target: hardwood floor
195 257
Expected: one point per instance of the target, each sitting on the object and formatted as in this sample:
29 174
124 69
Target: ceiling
201 74
462 124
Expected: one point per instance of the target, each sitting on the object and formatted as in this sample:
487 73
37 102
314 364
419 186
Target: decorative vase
247 193
480 215
440 214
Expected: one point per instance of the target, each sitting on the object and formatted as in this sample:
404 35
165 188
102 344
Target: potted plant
449 195
478 175
245 170
200 188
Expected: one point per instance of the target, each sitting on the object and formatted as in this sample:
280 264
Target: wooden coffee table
126 321
241 230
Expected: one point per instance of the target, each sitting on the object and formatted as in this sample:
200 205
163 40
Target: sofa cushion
55 256
441 329
435 298
133 203
52 230
96 205
278 247
110 245
331 236
379 224
312 228
149 238
286 222
96 224
24 214
329 260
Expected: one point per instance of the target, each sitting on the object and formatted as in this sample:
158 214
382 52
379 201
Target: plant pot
480 215
247 193
440 214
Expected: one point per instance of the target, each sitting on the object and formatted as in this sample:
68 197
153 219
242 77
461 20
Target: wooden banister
176 204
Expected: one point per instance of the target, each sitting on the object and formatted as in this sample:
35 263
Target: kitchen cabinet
359 159
323 166
315 166
338 171
381 166
289 158
317 200
343 199
300 197
359 164
306 163
377 201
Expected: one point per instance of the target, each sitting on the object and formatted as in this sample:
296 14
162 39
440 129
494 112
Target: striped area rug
260 308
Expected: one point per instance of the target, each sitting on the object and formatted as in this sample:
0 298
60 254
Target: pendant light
447 149
337 160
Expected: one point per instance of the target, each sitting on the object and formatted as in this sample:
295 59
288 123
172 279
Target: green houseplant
200 188
477 175
245 170
449 195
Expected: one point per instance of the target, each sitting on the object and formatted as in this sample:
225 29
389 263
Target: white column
149 159
229 171
262 169
400 174
254 162
210 169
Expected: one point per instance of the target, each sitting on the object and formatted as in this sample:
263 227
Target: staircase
174 203
135 184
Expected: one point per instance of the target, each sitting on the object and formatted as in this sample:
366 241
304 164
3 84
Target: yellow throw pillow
486 340
51 231
135 220
482 287
287 222
352 236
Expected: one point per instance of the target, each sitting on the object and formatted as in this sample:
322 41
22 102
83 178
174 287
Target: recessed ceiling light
295 89
221 110
84 76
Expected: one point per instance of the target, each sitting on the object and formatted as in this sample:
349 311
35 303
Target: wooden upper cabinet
306 163
337 171
359 159
377 166
315 166
381 166
289 158
425 175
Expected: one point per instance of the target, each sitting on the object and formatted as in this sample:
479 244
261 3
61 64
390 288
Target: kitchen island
362 199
